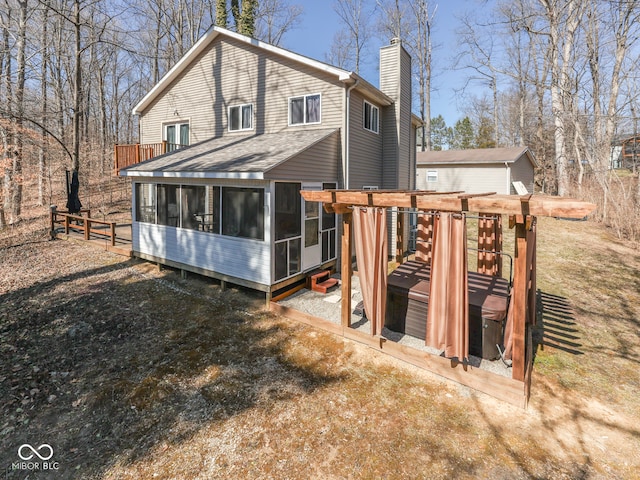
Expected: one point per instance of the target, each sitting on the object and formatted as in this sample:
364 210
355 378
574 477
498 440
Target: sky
313 38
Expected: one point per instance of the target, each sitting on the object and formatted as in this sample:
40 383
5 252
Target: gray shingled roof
231 156
474 156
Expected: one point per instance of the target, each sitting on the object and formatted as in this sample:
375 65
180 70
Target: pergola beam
534 205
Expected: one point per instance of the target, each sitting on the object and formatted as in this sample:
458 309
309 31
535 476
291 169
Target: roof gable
214 32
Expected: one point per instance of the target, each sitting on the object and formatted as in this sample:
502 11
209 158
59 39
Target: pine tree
486 135
463 136
440 133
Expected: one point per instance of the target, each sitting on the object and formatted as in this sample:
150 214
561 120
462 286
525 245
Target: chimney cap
395 41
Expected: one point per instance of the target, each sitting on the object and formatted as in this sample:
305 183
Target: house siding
388 68
241 258
319 163
395 81
365 147
230 73
522 171
406 141
470 179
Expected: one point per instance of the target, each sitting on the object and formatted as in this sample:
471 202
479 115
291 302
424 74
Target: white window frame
176 124
432 176
304 111
240 107
373 109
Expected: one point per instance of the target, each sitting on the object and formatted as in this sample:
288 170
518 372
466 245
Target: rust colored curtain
490 238
424 237
448 312
370 237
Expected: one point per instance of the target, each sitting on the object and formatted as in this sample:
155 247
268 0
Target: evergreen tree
463 136
486 135
440 133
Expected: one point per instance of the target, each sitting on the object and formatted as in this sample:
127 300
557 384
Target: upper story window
241 117
371 114
304 109
176 135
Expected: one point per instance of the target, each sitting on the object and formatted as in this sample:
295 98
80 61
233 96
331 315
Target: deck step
322 281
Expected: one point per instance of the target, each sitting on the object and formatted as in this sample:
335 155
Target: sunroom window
243 212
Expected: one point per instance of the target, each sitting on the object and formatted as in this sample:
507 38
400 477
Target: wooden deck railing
83 223
127 155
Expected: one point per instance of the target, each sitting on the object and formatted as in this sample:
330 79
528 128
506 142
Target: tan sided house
232 134
477 170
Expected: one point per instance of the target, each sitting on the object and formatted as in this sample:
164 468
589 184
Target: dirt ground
126 371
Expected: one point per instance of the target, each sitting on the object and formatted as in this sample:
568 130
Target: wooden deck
111 236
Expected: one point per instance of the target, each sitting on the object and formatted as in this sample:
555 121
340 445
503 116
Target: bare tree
564 18
354 16
478 55
275 18
422 47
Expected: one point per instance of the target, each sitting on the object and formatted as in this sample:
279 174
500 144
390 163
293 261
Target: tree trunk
77 88
5 163
561 66
42 153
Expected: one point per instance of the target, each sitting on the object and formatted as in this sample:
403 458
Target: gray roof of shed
230 156
474 156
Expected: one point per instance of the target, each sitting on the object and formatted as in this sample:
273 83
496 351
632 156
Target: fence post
115 159
113 234
87 228
52 214
66 224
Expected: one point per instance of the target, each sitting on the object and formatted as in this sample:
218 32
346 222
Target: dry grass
129 372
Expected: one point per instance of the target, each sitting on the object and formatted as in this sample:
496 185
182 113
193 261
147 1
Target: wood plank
519 299
498 386
536 205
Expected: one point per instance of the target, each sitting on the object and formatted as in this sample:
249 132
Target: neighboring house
625 152
262 123
476 171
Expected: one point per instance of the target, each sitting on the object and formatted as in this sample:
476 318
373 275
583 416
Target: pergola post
347 271
520 292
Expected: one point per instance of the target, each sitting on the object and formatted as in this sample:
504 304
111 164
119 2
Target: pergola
521 211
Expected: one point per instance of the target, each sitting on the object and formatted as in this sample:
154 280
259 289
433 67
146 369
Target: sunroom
231 208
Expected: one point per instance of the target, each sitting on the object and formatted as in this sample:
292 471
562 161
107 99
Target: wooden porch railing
127 155
83 223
